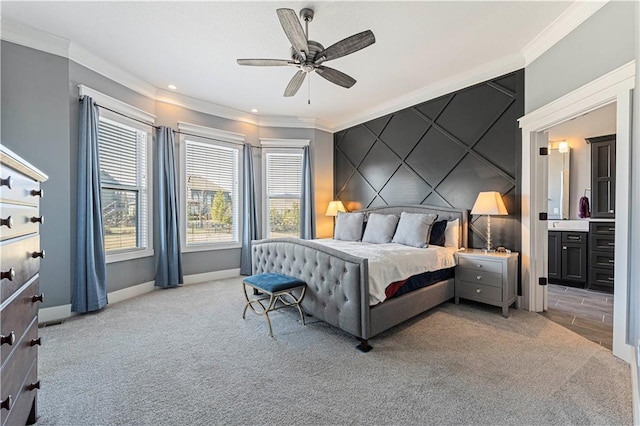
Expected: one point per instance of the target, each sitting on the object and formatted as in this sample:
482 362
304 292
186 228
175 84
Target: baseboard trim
62 312
211 276
635 390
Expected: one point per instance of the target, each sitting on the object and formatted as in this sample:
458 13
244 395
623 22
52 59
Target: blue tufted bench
275 288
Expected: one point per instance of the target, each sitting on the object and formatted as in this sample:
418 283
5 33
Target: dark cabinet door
574 262
554 270
603 176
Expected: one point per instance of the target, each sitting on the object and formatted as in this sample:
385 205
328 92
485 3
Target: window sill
211 247
128 255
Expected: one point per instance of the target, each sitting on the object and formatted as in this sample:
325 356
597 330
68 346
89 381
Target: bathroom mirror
558 207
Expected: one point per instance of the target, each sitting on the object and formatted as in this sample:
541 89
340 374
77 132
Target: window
123 173
283 177
211 188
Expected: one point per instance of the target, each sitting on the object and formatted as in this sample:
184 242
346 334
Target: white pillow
452 234
349 226
380 228
413 229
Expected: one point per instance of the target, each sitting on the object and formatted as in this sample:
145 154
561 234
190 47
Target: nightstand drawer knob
479 265
37 298
35 342
7 403
478 290
8 182
9 339
10 274
37 193
33 386
8 222
37 254
37 219
478 277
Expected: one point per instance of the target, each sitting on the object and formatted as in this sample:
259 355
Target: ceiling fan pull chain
309 92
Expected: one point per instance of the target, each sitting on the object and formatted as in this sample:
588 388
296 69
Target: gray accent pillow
349 226
380 228
413 229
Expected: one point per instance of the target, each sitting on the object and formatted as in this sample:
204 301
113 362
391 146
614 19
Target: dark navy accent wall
441 152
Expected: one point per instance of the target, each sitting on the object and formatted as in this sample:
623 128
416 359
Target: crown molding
284 143
83 57
24 35
296 122
204 106
468 78
568 21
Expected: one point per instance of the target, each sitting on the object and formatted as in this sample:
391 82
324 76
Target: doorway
614 87
579 296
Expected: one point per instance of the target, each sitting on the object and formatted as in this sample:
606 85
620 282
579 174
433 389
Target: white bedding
393 262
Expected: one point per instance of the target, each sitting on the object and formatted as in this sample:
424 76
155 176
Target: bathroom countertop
581 225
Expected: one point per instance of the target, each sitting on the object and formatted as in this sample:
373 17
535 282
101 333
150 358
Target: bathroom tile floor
588 313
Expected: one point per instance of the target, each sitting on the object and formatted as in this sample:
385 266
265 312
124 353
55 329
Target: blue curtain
90 278
249 212
167 246
307 209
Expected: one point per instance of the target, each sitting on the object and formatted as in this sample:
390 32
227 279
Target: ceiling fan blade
292 28
335 76
265 62
295 83
346 46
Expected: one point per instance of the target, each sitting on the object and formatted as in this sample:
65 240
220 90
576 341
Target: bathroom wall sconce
563 147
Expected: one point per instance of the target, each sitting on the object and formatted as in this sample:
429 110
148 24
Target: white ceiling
194 45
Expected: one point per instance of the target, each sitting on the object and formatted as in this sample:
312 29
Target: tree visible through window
283 189
123 175
211 193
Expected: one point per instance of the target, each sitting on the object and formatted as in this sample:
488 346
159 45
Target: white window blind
283 193
212 173
123 174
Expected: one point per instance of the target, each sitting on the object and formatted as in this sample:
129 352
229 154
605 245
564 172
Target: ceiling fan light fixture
172 87
254 110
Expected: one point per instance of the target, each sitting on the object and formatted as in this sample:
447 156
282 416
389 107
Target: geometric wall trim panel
441 152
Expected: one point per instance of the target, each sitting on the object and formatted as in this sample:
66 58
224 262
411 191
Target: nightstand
489 278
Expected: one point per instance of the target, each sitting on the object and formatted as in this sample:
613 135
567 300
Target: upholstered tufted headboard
442 212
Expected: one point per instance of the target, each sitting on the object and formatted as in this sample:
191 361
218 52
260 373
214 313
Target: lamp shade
489 203
334 208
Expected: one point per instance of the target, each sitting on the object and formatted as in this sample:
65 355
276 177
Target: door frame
616 86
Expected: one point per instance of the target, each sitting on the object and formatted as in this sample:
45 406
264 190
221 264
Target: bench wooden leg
364 346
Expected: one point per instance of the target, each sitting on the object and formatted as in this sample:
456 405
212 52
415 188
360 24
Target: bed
338 282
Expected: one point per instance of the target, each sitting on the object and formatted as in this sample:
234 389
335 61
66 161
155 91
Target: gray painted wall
601 44
35 119
40 116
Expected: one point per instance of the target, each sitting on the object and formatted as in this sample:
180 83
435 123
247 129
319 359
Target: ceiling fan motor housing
314 49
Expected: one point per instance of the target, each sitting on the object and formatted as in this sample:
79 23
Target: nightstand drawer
480 265
480 277
479 292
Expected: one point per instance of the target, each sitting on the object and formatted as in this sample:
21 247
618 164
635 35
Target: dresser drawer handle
8 182
478 277
9 339
37 254
33 386
10 274
612 261
7 403
8 222
610 278
38 298
35 342
572 237
612 229
478 290
39 220
611 243
37 193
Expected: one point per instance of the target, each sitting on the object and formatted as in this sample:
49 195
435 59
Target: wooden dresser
20 296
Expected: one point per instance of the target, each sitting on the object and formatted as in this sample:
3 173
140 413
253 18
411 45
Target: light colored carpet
185 356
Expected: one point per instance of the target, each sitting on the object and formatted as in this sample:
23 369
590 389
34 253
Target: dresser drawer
602 259
602 228
20 311
483 265
23 190
23 401
14 373
479 292
601 279
18 220
602 242
480 277
18 254
23 345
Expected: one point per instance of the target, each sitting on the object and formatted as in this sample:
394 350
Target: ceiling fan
308 55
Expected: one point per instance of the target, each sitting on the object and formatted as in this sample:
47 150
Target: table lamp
334 208
491 204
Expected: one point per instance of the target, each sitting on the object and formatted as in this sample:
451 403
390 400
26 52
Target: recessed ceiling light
172 86
253 110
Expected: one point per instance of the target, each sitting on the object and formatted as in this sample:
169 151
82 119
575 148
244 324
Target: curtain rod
157 127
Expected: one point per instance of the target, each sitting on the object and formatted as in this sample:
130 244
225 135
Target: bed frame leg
364 346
